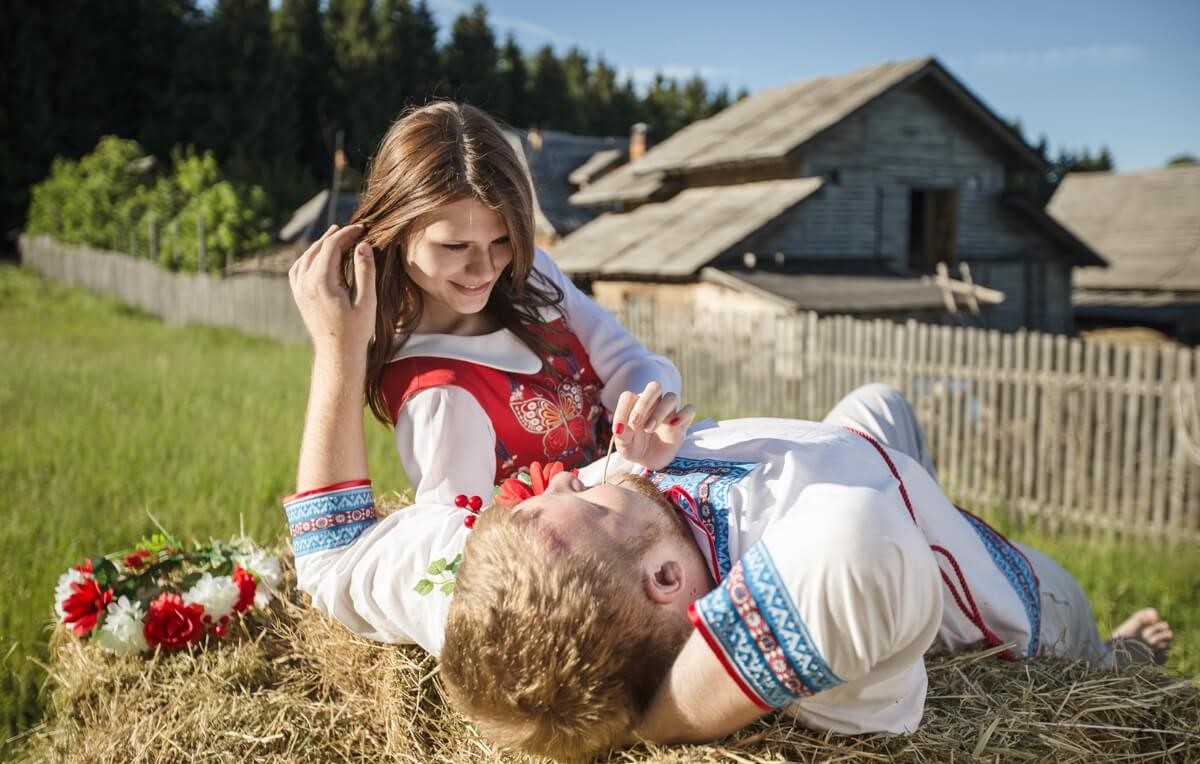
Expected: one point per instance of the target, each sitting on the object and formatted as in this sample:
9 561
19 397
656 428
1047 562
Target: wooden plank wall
1068 433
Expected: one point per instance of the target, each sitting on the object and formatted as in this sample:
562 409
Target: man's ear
666 583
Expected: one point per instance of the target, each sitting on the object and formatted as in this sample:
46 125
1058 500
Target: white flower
218 595
264 566
262 597
122 632
63 591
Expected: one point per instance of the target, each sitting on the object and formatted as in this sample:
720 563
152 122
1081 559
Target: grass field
107 415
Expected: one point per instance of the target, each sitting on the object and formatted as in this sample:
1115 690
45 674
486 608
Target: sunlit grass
108 417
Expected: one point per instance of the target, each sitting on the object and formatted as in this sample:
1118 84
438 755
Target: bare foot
1144 637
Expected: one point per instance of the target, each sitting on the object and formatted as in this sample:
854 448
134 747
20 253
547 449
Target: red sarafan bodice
545 416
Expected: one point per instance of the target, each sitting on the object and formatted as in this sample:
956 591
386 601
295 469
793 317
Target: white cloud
1095 55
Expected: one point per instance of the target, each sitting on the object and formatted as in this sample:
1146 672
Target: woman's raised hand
649 428
340 320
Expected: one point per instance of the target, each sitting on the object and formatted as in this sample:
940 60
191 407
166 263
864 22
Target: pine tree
407 58
352 31
469 59
512 93
694 100
548 98
578 116
245 133
304 61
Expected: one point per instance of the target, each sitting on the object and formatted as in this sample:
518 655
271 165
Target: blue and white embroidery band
329 520
708 481
763 637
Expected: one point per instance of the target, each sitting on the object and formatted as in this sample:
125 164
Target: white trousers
1068 628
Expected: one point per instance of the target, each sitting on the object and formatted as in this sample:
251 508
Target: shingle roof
1146 225
774 123
679 236
596 165
550 165
836 293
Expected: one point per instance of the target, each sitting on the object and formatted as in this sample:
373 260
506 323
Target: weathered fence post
201 244
152 234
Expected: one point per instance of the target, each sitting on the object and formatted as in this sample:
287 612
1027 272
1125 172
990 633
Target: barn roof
681 235
832 293
773 124
596 165
551 161
1146 225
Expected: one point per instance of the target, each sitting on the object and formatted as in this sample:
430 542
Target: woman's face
456 260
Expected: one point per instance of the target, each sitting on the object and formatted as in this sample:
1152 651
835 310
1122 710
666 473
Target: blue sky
1122 74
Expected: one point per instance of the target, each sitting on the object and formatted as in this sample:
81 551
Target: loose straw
611 441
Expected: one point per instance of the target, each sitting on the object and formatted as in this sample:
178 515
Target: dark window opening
932 228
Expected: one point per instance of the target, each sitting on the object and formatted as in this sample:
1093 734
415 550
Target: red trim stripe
326 489
681 493
715 646
972 613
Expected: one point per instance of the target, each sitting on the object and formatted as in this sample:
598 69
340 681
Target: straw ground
296 687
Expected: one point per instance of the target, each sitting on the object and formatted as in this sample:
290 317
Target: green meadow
109 418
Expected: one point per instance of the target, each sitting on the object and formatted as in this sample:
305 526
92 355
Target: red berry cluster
470 503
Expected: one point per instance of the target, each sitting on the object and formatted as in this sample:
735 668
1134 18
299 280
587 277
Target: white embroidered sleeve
447 446
619 359
383 579
830 614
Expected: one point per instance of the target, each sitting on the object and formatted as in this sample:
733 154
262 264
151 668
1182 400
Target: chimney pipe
639 141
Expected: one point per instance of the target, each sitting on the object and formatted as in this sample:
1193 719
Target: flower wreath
162 596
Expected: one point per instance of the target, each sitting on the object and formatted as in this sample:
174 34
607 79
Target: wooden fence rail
259 304
1075 434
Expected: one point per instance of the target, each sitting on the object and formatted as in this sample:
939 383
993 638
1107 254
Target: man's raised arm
333 449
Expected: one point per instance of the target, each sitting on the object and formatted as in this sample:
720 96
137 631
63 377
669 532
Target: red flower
137 559
85 605
514 491
171 624
85 567
246 587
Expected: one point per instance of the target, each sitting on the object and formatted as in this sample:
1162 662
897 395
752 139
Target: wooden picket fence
254 303
1074 433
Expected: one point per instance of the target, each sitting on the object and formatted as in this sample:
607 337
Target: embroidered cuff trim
329 517
752 625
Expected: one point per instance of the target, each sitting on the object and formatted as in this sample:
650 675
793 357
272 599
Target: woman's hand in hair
340 319
649 428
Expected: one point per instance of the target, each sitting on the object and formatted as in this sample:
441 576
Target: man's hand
649 428
339 319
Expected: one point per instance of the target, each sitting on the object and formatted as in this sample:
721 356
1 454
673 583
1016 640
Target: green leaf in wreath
448 587
453 564
436 567
423 587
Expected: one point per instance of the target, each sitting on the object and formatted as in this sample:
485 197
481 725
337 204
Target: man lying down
753 565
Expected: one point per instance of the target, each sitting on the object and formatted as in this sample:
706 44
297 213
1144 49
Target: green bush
110 200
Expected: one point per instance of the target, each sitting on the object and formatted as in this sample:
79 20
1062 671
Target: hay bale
297 687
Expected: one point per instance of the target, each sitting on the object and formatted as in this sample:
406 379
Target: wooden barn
841 194
1147 226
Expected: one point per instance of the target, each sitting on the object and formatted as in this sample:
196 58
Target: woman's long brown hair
433 156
